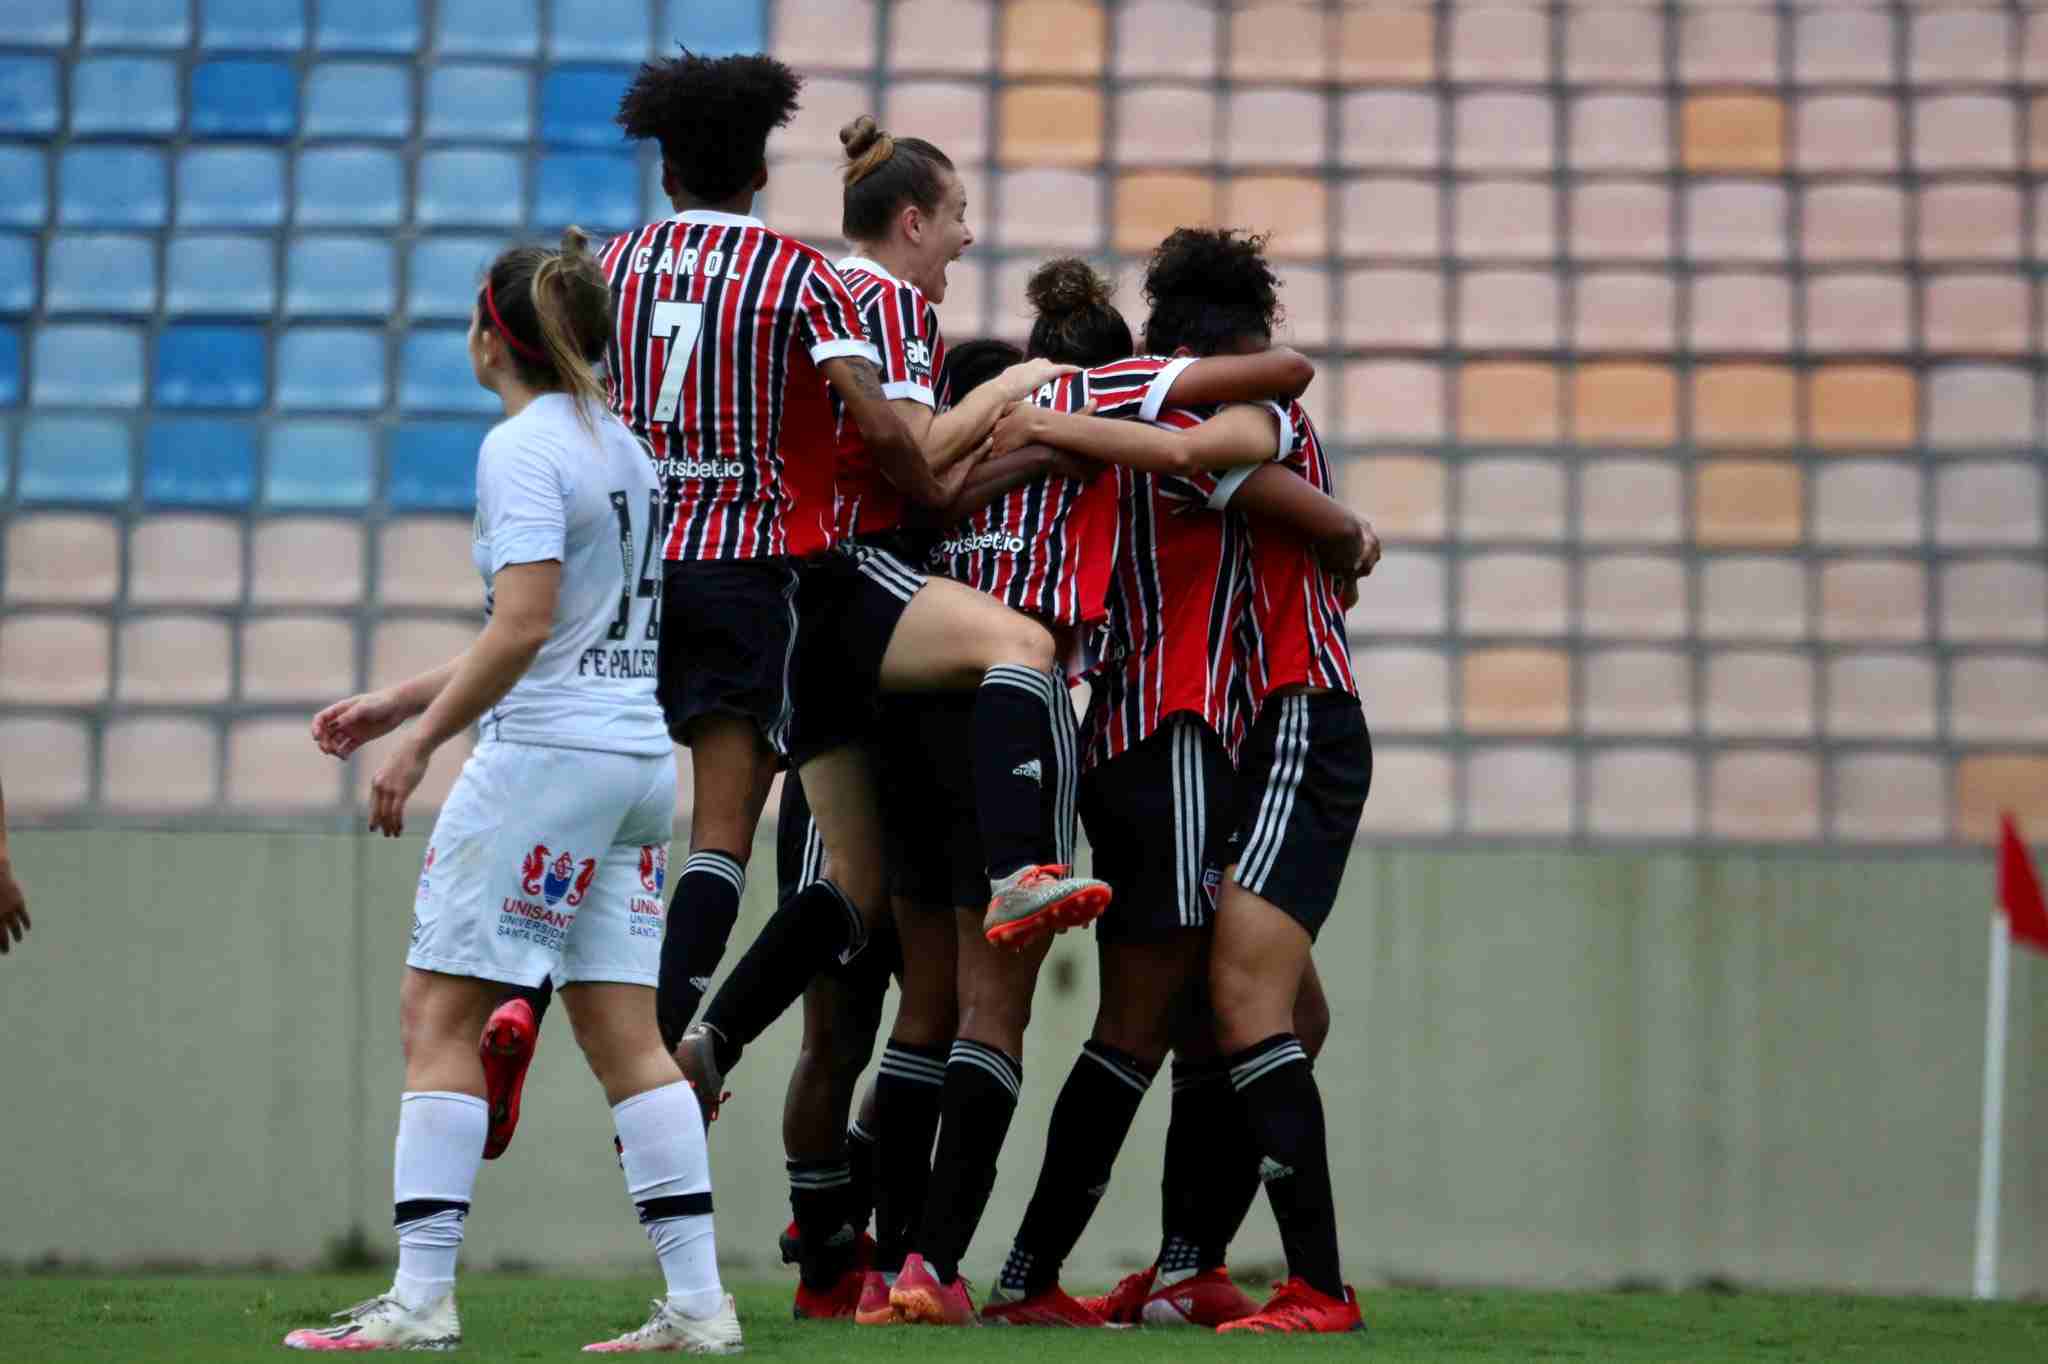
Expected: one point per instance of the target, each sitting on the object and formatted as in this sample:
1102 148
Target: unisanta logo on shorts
653 867
701 468
551 881
999 541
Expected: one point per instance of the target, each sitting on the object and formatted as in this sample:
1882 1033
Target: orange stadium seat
1404 596
1291 210
1889 797
1638 691
1279 41
1735 220
1614 46
2002 697
1394 308
1508 310
186 560
1393 398
1058 209
1517 691
1753 598
1867 502
1740 311
826 34
1150 204
61 557
1843 46
1976 313
941 35
1880 695
1994 601
306 561
1964 132
174 659
1980 405
1502 132
1505 402
1853 222
1862 405
1051 125
1629 310
52 659
161 763
1410 688
1166 125
425 561
1738 46
1169 38
1511 499
1520 790
1493 43
1743 404
1618 220
1619 132
1873 600
1274 126
403 647
1386 45
1988 503
1623 403
1747 503
1751 694
1402 495
1642 793
953 115
1512 594
1972 220
1731 133
1053 38
1389 217
1960 46
48 763
273 768
1988 785
298 658
1511 219
1857 311
1768 795
1629 501
1426 779
1390 128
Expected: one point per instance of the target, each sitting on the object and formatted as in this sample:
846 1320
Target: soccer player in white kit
546 859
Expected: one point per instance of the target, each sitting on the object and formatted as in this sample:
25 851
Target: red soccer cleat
874 1308
790 1244
841 1300
1053 1307
510 1038
920 1299
1295 1306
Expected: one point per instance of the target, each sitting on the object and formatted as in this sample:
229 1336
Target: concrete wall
1546 1068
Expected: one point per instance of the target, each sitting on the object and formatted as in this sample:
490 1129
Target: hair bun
860 135
1069 285
575 242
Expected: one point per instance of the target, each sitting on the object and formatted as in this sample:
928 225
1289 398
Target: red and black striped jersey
719 326
904 328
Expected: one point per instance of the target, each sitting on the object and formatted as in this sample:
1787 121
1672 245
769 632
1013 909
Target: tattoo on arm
866 379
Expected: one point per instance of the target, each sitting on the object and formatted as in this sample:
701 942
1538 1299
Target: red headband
514 342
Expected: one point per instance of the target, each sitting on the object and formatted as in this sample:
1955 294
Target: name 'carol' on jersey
546 490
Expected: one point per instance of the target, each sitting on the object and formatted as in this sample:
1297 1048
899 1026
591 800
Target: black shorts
1302 784
728 643
1158 820
799 859
926 743
850 602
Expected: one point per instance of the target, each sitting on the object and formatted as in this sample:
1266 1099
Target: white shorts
548 862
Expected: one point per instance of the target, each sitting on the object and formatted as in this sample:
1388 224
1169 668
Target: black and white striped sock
700 918
908 1087
982 1085
1016 763
1278 1089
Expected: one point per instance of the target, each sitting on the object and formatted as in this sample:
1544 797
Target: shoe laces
1038 876
653 1324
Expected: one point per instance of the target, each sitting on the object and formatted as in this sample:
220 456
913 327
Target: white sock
440 1147
668 1175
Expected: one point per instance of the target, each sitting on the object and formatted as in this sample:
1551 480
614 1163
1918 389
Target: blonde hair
554 310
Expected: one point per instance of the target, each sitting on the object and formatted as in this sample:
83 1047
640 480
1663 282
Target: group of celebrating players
882 565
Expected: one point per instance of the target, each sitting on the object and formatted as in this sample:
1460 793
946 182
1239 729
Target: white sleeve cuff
833 350
914 392
1227 486
524 544
1161 385
1286 429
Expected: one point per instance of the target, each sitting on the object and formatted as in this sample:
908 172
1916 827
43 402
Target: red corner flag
2019 890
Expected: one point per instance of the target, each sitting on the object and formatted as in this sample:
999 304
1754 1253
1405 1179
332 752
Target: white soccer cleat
385 1323
669 1330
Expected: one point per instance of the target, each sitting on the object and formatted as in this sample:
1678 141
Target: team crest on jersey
552 881
653 867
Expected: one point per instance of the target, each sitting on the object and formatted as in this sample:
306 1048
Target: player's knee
1246 1005
1019 641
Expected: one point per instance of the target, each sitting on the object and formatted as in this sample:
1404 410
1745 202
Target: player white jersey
546 488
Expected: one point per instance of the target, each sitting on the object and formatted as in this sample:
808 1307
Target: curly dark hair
712 116
971 364
1209 289
1076 323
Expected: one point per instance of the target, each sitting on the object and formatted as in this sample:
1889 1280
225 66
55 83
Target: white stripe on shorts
1276 806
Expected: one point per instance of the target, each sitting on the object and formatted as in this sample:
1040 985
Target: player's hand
13 908
347 725
1026 377
1016 428
1352 555
393 786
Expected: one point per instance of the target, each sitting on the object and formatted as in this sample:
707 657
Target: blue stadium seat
350 187
230 187
256 25
199 462
24 187
78 365
470 103
221 276
133 96
445 275
489 28
596 30
577 104
112 187
137 23
77 277
471 189
434 374
201 365
370 26
318 464
28 96
244 99
599 190
340 277
74 459
10 366
719 29
331 369
432 466
359 99
17 273
36 23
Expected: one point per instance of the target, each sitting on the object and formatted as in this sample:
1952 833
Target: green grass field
507 1317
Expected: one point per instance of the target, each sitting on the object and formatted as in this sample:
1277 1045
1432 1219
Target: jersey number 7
678 324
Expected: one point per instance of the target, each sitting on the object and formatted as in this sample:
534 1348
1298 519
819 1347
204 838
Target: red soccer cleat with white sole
1297 1307
921 1300
510 1038
1052 1307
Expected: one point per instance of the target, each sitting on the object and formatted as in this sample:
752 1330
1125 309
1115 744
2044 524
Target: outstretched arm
1280 374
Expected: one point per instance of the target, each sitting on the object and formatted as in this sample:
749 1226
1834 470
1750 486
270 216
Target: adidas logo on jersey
1030 769
1271 1169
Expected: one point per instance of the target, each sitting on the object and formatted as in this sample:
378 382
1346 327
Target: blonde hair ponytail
573 304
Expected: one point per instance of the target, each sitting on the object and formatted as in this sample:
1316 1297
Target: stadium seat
1175 39
598 190
1745 502
1969 220
1274 127
1508 403
1508 310
1623 310
63 557
1889 798
36 23
577 105
1979 405
28 97
1511 499
1150 205
370 26
1393 308
402 647
340 277
1743 404
1642 793
1988 503
76 365
1618 220
445 274
1976 313
175 659
425 561
1751 694
719 30
318 463
331 368
1766 795
298 658
244 99
1857 312
99 186
1843 46
1735 220
10 366
18 273
1638 691
1847 133
1389 217
271 769
1994 601
160 763
199 365
1733 134
1875 600
350 187
1502 132
1853 222
24 188
1381 128
1737 311
1736 47
1633 596
306 561
431 466
1408 597
1290 211
185 560
1965 132
230 187
1509 219
1612 46
1279 40
1872 406
54 660
1427 778
1867 502
1619 132
803 198
472 103
73 459
1629 501
255 25
219 275
811 35
359 100
961 110
1512 594
471 189
137 23
125 96
1377 45
1998 697
488 28
940 35
1393 398
1991 785
1880 695
1490 44
1055 209
47 763
1516 691
1052 38
1403 494
1410 688
966 285
1306 289
829 104
1753 598
1520 791
199 462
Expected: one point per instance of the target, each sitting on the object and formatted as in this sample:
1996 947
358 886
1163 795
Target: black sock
815 926
1212 1169
539 997
1016 764
1278 1088
860 1170
908 1088
1090 1120
700 918
974 1116
817 1198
